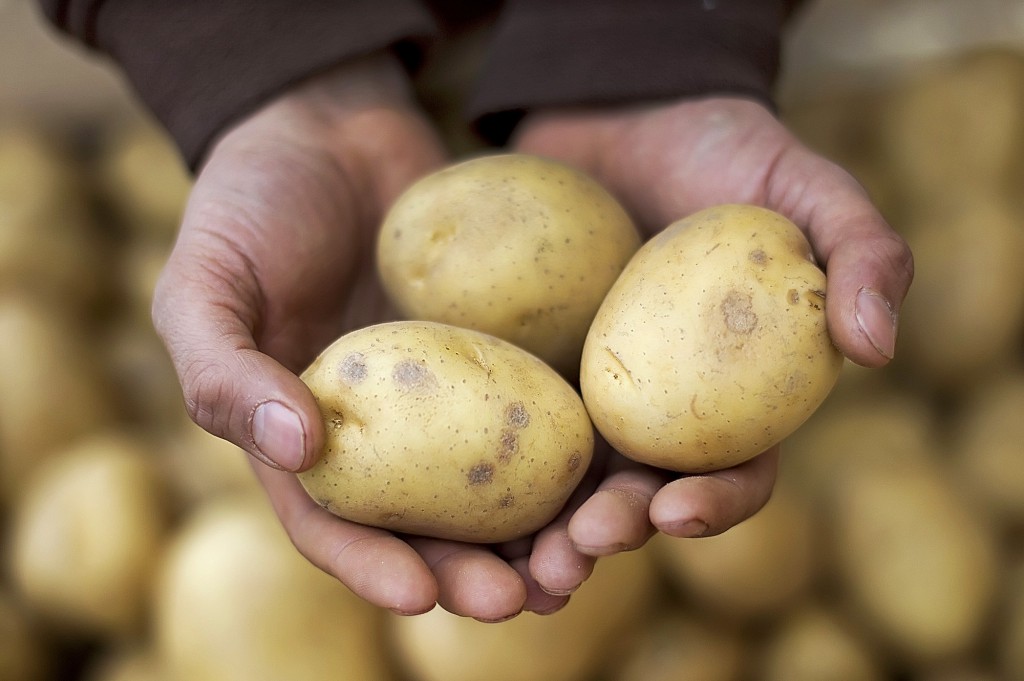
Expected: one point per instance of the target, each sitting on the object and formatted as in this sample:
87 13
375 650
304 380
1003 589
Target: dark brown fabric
583 52
202 64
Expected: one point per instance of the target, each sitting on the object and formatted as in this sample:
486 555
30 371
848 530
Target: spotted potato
712 345
446 432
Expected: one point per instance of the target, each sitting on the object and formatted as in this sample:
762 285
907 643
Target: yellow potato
445 432
87 535
678 645
753 571
964 316
915 560
987 443
513 245
573 644
813 642
712 345
52 390
236 602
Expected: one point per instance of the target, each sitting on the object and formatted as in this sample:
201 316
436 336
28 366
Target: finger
230 388
537 600
557 566
472 580
869 266
374 564
616 517
710 503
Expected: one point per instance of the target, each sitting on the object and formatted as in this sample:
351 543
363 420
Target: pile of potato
135 547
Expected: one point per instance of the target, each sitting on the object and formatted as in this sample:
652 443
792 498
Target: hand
274 260
665 161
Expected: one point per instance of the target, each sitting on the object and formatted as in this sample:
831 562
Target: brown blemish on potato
819 294
738 313
352 369
506 501
758 257
574 462
509 445
413 376
694 411
793 296
481 474
621 368
516 415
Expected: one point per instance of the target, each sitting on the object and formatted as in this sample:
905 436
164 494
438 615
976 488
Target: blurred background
133 546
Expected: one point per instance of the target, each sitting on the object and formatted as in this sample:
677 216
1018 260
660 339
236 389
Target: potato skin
514 245
446 432
712 345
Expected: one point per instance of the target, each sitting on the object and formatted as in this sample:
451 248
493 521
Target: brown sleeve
595 52
201 64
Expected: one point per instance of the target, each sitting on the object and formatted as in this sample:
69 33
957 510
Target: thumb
869 266
230 388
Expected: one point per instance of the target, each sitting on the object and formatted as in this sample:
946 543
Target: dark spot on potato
516 415
507 501
353 368
738 313
574 462
413 376
509 445
758 257
793 296
481 474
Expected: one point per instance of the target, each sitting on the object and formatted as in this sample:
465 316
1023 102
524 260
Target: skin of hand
669 159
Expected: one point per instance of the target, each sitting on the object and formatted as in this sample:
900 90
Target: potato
964 316
712 345
957 126
236 602
445 432
916 561
987 433
52 390
513 245
88 534
145 181
572 644
878 428
677 645
813 643
49 242
751 572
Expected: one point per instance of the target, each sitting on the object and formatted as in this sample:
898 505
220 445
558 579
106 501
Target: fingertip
611 521
472 581
387 573
709 504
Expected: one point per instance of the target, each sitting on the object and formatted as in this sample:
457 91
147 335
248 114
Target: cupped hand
273 261
667 160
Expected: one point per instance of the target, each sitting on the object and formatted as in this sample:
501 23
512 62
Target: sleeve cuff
201 65
587 52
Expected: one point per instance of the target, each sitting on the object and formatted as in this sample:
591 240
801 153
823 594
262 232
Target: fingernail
559 592
877 319
692 529
497 620
277 433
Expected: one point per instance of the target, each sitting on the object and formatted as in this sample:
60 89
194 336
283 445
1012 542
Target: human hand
665 161
274 260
